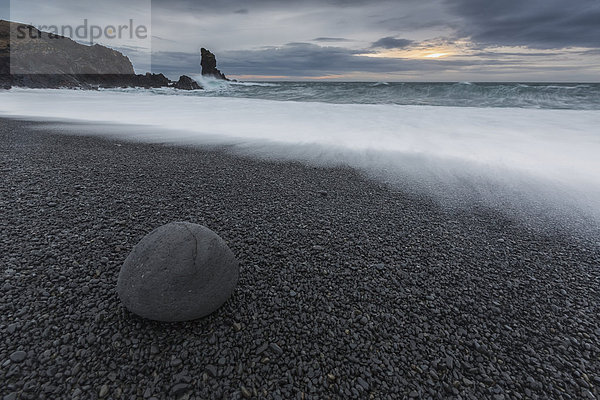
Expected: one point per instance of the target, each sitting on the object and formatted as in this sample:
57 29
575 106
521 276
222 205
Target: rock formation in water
36 59
186 83
209 65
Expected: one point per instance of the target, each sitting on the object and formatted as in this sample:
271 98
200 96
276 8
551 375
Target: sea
517 143
561 96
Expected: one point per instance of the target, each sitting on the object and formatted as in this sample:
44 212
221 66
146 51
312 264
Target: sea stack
209 65
178 272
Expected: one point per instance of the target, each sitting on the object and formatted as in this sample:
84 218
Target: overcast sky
400 40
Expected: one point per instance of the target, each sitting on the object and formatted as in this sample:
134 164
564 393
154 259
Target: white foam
210 84
557 147
260 84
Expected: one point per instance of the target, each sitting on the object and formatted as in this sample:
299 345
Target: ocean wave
210 84
461 94
259 84
377 84
432 146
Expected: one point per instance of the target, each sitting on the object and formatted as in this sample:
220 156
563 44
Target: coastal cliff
37 52
44 60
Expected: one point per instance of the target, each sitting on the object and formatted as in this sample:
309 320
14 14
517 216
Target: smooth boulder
178 272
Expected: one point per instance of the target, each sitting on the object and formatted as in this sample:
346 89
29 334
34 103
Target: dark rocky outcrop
186 83
91 81
209 65
44 60
43 53
5 80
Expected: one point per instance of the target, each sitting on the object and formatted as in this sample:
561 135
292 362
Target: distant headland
47 60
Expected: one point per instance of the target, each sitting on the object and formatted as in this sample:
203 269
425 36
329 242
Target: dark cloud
310 60
495 54
391 43
246 35
540 24
160 38
173 64
409 23
229 5
304 59
331 40
592 52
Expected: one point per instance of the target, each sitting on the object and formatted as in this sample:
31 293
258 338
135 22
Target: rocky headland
45 60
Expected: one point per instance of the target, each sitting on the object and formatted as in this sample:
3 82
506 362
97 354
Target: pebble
261 349
276 349
245 392
11 328
180 389
18 356
175 362
211 370
362 383
103 391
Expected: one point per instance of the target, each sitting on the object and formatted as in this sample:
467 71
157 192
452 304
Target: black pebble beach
348 288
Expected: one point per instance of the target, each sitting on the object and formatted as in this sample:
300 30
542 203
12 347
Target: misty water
566 96
505 144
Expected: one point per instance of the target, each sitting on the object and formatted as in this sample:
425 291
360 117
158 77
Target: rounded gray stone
178 272
18 356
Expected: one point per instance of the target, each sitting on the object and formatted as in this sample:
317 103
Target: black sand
359 292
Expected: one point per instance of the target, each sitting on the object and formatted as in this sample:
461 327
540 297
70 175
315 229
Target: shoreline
347 289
